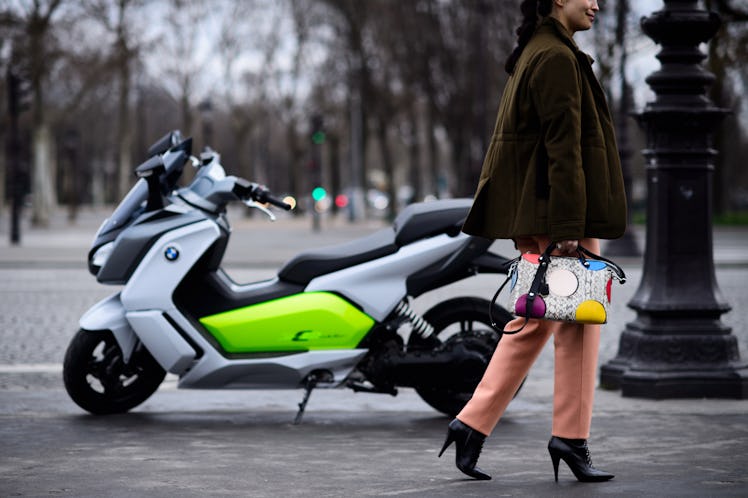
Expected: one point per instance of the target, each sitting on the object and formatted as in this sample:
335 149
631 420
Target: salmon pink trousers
575 368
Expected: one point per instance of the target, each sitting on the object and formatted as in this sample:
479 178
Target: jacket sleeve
555 86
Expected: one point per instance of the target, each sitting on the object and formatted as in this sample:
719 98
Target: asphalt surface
243 443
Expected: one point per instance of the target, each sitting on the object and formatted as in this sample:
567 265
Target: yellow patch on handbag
591 312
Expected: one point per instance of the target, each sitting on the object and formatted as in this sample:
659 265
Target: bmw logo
171 253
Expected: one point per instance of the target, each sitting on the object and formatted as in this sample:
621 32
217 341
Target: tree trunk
461 167
414 155
389 169
43 175
434 168
295 166
124 154
3 174
335 173
43 167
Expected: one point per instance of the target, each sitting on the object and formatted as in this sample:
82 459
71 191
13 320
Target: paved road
239 443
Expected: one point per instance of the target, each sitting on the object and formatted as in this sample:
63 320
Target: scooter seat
426 219
415 222
309 264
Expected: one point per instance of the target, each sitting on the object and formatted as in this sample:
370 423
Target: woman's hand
567 247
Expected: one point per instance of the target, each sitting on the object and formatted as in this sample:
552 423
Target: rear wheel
99 381
463 322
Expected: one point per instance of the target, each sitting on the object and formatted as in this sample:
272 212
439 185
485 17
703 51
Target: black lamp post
16 105
678 346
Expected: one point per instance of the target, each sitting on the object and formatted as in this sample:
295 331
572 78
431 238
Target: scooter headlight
100 257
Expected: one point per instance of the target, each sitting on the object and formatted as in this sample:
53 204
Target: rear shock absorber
420 326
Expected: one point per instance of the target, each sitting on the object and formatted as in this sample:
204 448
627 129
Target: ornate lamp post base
675 366
677 346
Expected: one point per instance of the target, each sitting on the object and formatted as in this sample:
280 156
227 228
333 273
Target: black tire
99 381
464 319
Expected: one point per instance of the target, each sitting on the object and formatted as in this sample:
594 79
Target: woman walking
551 175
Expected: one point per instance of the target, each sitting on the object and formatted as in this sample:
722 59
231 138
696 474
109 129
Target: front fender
109 314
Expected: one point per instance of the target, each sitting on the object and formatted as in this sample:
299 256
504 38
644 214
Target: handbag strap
494 325
493 303
583 253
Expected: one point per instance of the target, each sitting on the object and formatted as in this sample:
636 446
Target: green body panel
302 322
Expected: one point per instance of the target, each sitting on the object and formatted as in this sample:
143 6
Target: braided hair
532 12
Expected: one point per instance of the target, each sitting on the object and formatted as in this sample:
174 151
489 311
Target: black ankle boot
468 446
576 454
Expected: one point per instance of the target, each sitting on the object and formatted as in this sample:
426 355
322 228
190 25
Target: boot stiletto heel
468 445
450 439
554 459
576 454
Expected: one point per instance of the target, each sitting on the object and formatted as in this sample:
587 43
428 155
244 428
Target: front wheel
464 321
99 381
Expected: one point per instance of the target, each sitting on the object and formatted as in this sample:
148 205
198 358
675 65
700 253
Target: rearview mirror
165 143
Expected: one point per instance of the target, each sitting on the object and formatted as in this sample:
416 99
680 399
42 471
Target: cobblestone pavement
238 443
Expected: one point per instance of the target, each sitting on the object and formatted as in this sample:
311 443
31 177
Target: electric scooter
333 317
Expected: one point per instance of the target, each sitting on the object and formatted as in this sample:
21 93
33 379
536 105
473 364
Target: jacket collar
552 25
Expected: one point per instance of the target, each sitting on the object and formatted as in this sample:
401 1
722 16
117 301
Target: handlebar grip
263 195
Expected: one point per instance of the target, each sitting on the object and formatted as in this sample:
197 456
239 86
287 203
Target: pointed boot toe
576 454
468 444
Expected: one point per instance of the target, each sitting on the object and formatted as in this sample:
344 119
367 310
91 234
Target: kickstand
311 383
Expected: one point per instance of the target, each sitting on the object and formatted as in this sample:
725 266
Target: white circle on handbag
561 282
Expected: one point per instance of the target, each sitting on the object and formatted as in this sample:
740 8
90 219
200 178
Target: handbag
562 288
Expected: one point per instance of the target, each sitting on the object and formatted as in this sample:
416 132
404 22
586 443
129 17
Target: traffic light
318 134
341 201
318 137
319 193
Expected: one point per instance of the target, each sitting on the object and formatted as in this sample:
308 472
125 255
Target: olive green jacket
552 167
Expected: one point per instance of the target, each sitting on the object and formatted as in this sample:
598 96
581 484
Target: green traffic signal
318 137
319 193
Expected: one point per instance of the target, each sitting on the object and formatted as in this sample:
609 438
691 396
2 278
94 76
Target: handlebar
246 190
263 195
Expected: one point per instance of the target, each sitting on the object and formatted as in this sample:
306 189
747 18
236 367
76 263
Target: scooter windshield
127 209
134 202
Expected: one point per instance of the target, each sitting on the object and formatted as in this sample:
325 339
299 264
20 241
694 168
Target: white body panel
148 293
154 281
378 285
172 352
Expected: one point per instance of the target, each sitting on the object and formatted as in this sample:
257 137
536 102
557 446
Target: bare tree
290 101
119 21
349 24
39 53
232 43
181 61
469 42
728 53
409 89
